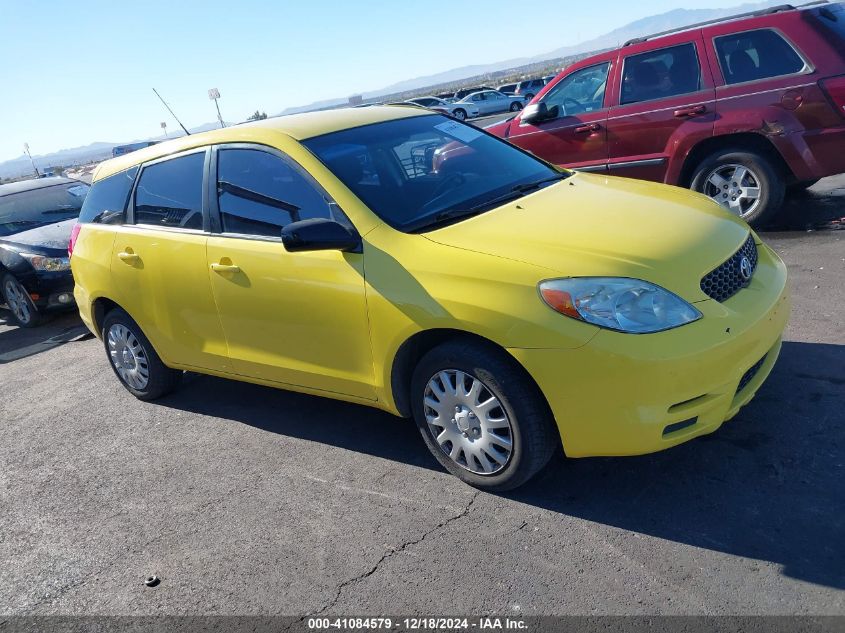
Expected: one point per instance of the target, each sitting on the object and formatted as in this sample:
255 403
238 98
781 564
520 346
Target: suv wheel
481 417
744 182
134 360
20 303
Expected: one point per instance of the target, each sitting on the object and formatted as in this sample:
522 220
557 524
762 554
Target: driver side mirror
320 234
536 113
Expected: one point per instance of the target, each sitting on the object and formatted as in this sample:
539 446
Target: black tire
27 315
529 96
533 433
771 180
515 107
460 114
162 379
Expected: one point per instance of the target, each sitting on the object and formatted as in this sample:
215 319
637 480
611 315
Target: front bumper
54 290
626 394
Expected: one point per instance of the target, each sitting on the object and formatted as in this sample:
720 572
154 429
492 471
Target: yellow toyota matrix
397 258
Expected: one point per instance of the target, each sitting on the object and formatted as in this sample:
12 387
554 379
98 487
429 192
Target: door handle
225 268
585 129
693 111
128 257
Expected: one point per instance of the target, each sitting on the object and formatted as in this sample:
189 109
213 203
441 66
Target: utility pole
214 95
34 168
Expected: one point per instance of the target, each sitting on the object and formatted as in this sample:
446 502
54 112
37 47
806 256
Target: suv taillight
835 90
74 233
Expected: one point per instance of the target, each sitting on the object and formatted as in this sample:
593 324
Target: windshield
31 209
420 172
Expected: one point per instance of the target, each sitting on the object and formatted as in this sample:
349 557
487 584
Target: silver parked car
492 101
461 111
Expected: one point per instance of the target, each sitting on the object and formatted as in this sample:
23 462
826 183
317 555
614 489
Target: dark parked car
463 92
739 109
36 220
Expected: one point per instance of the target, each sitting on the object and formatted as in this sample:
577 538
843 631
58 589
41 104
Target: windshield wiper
516 192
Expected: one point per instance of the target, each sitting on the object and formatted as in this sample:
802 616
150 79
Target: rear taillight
835 90
74 233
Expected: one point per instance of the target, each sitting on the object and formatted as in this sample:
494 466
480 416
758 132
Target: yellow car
397 258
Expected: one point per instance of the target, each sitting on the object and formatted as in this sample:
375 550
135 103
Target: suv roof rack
751 14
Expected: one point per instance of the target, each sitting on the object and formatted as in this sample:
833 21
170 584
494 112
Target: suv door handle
128 257
692 111
590 127
225 268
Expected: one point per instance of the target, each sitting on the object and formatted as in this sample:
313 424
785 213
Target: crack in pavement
390 554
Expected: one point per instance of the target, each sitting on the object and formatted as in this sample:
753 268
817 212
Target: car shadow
57 329
812 209
768 485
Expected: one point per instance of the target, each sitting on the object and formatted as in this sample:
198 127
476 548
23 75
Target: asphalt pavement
250 500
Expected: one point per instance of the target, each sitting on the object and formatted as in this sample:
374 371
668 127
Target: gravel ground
249 500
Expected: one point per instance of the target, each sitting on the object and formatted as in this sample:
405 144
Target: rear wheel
133 359
481 417
744 182
20 303
460 114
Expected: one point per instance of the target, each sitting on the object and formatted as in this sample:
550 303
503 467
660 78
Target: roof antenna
171 112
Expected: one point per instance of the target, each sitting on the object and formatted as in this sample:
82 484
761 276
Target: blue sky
79 72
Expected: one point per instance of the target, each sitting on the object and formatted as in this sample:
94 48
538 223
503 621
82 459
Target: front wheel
460 114
481 417
133 359
20 303
744 182
515 107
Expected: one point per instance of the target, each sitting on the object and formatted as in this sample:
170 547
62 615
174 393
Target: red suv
738 109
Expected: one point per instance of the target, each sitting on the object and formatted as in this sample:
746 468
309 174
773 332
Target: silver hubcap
735 187
128 357
17 300
468 422
459 114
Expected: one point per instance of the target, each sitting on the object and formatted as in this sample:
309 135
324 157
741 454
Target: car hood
50 238
591 225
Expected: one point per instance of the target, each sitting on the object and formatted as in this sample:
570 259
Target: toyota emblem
745 268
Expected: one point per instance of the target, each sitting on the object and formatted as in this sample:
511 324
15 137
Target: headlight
49 264
616 303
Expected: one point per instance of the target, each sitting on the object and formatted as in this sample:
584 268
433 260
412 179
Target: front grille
725 281
749 375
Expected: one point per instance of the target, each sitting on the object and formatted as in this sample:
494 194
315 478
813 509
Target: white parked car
461 111
492 101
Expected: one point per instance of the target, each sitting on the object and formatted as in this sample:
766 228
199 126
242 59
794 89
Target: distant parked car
492 101
461 111
36 221
463 92
507 89
738 109
529 88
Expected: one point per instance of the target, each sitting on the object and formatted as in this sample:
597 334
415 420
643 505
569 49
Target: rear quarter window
106 202
753 55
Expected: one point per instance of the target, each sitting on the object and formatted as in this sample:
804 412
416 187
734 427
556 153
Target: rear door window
169 193
259 193
106 202
660 74
754 55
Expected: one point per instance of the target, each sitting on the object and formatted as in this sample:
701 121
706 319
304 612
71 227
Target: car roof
35 183
296 126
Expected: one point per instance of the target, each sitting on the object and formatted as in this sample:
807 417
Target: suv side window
582 91
169 193
755 55
259 193
659 74
106 201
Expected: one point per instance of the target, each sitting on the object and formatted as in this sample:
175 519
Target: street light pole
34 168
214 95
164 127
